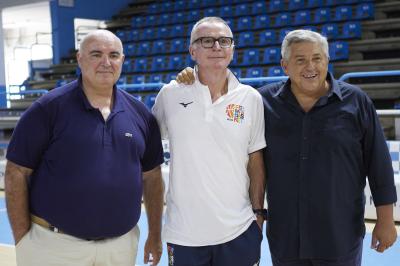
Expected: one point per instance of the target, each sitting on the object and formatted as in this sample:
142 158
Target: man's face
101 61
307 68
215 57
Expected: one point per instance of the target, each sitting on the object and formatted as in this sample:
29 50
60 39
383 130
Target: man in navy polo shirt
78 162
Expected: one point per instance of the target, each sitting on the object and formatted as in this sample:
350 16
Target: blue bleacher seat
207 3
237 72
149 100
152 20
310 27
283 19
262 22
178 17
138 79
194 3
351 30
231 22
127 66
177 45
350 1
180 5
272 55
246 39
296 4
121 34
140 65
365 11
322 15
343 13
192 15
226 11
147 34
234 61
163 33
169 77
167 6
283 32
158 47
275 71
330 31
302 17
130 49
254 72
259 8
276 5
210 12
177 31
338 50
188 60
159 63
134 35
165 18
315 3
122 80
153 8
137 22
176 62
250 57
156 78
244 23
267 37
242 10
144 48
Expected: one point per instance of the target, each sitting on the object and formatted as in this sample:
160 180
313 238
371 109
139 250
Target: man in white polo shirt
217 177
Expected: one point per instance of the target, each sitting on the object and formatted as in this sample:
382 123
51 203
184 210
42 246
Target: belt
43 223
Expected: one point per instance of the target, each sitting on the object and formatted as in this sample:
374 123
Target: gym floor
370 257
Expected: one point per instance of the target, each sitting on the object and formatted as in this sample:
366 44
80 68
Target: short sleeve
30 138
257 134
159 112
153 155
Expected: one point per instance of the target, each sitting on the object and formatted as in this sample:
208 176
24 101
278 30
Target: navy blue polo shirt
316 164
87 172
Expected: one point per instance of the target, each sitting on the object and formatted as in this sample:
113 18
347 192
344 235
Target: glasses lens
225 42
207 42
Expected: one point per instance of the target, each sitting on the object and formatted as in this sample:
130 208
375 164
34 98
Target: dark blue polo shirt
87 177
316 164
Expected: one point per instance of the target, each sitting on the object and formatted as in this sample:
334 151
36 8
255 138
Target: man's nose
216 45
105 60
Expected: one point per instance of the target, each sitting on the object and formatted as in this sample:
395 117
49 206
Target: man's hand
186 76
260 222
384 233
153 246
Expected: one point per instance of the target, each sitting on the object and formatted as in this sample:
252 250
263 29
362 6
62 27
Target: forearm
153 195
256 173
16 190
384 213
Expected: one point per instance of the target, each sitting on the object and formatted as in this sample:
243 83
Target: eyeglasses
209 42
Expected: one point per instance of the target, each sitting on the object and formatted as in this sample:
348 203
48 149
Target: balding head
100 35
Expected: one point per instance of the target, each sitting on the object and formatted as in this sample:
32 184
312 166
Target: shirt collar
117 104
284 91
233 81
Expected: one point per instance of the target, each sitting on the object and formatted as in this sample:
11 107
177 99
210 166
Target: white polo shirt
208 197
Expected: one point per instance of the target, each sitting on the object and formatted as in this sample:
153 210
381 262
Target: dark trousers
242 251
353 258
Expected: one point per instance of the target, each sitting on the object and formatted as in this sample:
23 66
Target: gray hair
99 33
207 19
299 36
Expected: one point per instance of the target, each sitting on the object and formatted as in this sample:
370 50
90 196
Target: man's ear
284 64
192 52
78 58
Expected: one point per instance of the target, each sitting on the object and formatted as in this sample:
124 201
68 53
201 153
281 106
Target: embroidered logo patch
235 113
170 255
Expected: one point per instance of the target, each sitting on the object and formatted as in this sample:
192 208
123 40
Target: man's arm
256 171
16 188
153 195
384 233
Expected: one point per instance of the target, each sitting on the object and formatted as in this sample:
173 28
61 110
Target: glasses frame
215 40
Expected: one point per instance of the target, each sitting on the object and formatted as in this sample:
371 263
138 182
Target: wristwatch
261 212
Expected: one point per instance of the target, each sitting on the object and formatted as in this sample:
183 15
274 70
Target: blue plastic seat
351 30
169 77
121 34
137 22
193 15
177 45
158 47
226 11
276 5
130 49
272 55
147 34
250 57
254 72
244 23
246 39
296 4
156 78
165 18
231 22
154 8
315 3
237 72
144 48
122 80
159 63
275 71
310 27
343 13
365 11
259 8
138 79
242 10
262 22
330 31
189 61
133 35
283 19
163 33
210 12
167 6
322 15
140 65
177 31
302 17
152 20
176 62
283 32
180 5
234 61
149 100
339 50
127 66
267 37
178 17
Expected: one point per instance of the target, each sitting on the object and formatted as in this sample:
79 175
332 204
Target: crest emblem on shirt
170 256
235 113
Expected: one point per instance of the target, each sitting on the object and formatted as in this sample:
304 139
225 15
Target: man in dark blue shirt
323 139
78 162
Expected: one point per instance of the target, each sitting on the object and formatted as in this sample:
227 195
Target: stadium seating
250 57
